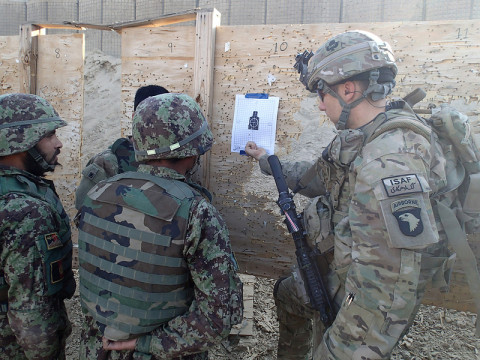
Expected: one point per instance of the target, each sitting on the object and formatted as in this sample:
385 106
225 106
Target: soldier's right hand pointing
251 149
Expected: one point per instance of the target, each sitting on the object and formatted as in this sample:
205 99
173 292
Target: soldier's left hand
119 345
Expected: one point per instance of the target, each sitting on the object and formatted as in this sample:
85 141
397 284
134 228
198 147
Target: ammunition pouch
317 222
469 193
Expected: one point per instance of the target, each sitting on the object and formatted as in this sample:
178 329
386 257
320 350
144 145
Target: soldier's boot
295 322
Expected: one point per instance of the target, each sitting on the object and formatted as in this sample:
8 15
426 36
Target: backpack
463 158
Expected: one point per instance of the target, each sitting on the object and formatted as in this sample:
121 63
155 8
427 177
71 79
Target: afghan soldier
118 158
371 191
157 274
35 246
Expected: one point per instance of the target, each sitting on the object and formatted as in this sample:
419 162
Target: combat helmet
24 120
352 55
170 126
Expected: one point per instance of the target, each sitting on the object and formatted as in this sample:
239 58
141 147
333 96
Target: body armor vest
133 276
55 248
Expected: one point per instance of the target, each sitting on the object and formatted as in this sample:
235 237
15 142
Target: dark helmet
24 120
170 126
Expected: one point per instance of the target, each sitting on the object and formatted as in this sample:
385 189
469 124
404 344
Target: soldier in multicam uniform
157 274
372 206
35 245
118 158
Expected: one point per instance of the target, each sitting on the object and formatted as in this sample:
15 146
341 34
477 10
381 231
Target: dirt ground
437 333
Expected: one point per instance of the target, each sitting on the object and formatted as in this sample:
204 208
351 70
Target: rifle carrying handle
277 173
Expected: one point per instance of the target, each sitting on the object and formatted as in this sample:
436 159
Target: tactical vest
55 248
133 278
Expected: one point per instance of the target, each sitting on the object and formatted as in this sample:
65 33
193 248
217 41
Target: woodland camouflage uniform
387 241
117 159
187 237
35 244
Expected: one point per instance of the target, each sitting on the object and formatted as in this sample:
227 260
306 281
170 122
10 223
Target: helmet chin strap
40 160
346 108
378 91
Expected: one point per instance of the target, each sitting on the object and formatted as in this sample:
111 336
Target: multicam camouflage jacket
117 159
387 241
35 268
206 257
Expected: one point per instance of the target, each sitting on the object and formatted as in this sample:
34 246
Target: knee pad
277 284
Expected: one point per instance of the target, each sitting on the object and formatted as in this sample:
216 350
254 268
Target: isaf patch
53 241
407 212
402 185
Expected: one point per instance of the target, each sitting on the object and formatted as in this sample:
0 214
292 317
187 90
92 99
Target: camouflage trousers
10 349
91 347
300 327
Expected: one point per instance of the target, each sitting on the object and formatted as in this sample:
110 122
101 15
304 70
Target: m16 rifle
311 276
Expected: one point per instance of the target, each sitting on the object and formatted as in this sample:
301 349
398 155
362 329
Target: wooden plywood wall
59 79
156 56
441 57
9 50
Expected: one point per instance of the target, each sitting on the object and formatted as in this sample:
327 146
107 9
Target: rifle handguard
312 278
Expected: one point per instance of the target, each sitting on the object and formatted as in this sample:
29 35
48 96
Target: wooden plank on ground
246 327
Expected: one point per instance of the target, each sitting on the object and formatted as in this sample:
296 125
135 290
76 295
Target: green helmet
170 126
24 120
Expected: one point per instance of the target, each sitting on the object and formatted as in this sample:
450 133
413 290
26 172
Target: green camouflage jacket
217 302
118 158
36 324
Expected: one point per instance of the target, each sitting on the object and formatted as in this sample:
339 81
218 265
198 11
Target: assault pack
462 157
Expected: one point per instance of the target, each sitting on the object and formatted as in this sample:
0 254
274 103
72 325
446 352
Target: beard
193 170
33 167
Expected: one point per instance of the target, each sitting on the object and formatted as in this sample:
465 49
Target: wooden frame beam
206 24
28 57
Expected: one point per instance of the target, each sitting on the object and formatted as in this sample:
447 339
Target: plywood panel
9 49
60 81
156 56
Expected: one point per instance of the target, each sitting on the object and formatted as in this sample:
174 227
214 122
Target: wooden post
28 57
206 23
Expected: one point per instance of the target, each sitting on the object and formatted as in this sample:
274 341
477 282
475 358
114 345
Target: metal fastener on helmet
24 120
170 126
